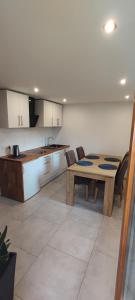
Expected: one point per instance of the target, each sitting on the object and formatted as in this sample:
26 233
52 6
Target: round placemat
113 159
84 163
90 156
107 167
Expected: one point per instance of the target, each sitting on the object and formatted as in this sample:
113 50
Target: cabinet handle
18 121
21 120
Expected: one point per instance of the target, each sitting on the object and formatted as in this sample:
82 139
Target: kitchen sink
52 146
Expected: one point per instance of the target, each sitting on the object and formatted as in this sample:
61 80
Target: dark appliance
16 151
33 116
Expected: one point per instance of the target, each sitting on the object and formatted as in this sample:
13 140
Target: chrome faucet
50 138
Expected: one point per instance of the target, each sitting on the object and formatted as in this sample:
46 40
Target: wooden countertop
30 155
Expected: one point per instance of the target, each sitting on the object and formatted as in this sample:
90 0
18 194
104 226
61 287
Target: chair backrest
120 165
70 156
80 152
121 173
126 155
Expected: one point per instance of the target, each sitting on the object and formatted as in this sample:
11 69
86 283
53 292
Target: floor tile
72 244
34 235
99 281
80 229
108 240
86 216
24 210
6 202
11 225
17 298
53 211
23 262
54 275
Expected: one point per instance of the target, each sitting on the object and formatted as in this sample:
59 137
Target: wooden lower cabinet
12 180
20 181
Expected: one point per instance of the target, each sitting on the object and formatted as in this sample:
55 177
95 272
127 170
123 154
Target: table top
94 169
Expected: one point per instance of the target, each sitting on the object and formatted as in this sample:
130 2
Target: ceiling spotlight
110 26
36 90
127 97
123 81
64 100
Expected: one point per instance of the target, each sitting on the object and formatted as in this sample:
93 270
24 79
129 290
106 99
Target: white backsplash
26 138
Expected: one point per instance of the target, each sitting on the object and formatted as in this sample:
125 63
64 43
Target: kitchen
40 165
37 166
67 81
34 172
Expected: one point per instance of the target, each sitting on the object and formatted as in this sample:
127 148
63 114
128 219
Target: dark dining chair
119 179
71 159
80 152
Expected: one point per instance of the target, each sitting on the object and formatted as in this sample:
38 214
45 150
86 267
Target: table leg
108 197
70 188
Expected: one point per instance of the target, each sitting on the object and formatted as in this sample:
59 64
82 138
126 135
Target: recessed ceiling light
123 81
36 90
110 26
127 97
64 100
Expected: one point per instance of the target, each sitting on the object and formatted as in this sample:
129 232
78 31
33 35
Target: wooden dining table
94 172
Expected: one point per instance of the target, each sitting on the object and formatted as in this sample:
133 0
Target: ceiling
60 47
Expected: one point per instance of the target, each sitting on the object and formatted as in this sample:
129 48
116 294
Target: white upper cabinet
57 115
50 114
14 110
24 110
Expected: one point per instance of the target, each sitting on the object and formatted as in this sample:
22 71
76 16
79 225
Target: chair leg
92 185
75 185
119 200
86 192
96 194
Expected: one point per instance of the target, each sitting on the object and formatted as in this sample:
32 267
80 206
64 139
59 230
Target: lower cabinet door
31 178
45 170
58 162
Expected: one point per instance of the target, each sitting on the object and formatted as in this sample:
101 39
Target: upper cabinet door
24 110
57 115
48 114
14 111
54 114
18 110
44 110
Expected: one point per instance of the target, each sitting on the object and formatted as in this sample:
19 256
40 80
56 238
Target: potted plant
7 268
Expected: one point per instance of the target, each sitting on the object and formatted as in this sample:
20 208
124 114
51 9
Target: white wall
25 138
99 127
103 128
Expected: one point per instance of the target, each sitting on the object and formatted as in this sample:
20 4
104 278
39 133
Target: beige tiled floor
63 252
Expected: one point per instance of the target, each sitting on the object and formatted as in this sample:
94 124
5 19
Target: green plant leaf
4 245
